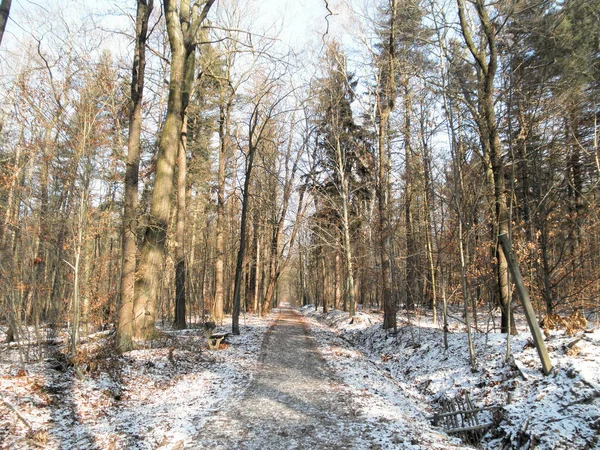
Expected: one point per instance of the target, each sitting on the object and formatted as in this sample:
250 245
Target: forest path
293 402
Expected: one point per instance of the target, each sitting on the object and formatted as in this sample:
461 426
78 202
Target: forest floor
299 380
558 411
157 397
272 387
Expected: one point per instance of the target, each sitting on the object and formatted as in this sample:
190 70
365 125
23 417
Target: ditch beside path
295 401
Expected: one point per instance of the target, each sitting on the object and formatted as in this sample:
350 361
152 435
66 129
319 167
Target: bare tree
486 61
129 244
182 27
263 110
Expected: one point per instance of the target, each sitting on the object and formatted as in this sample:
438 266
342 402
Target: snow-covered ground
377 396
559 411
153 398
307 395
161 397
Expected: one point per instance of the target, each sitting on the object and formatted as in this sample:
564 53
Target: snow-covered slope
559 411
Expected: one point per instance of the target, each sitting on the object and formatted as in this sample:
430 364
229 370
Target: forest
168 164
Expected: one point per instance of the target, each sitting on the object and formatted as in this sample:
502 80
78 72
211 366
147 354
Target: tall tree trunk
347 240
153 248
412 269
256 305
389 306
429 195
486 58
251 273
575 176
543 242
385 104
457 158
219 242
323 269
180 264
76 266
182 28
180 267
129 233
338 279
235 324
273 272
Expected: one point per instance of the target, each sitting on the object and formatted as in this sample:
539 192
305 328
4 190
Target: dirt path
293 402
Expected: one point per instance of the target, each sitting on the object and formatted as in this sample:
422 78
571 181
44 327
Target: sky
300 20
298 24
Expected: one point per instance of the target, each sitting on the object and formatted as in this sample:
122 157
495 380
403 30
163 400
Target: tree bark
182 28
129 229
486 58
385 104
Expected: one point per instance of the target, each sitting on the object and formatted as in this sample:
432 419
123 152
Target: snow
378 396
150 398
161 397
559 411
330 398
